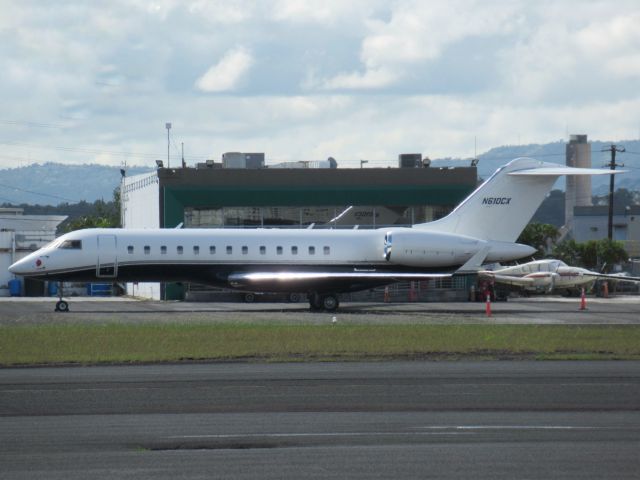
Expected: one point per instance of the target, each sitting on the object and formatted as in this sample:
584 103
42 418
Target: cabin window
212 249
229 249
147 249
263 250
71 245
312 250
130 249
245 249
294 250
196 250
163 250
327 250
278 250
180 249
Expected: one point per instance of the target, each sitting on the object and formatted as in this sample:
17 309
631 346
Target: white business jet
548 275
320 263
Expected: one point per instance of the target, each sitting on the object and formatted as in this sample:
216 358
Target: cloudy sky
303 80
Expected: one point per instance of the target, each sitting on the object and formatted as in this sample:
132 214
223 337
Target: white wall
140 199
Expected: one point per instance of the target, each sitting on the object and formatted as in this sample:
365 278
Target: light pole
168 125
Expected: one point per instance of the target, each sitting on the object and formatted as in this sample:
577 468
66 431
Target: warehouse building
591 223
246 194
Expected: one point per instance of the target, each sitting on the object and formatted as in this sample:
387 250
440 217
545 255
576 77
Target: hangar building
249 195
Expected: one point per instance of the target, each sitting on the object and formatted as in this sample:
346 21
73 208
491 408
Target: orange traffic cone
488 308
583 300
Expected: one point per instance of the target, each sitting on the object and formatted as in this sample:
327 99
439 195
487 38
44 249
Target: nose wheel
61 305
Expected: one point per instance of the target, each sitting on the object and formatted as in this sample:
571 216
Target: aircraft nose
25 266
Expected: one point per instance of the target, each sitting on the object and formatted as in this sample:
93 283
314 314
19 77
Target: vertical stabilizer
501 207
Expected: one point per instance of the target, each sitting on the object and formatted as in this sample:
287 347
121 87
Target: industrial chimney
578 193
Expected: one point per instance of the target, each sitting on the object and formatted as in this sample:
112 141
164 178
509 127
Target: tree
568 251
594 254
103 215
611 252
540 236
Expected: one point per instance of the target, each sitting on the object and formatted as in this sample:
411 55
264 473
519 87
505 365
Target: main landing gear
323 301
61 305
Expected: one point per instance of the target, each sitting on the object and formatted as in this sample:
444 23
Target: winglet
475 262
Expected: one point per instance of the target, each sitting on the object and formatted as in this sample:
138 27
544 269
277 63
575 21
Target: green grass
127 343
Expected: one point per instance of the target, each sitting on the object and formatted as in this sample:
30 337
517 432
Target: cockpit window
71 245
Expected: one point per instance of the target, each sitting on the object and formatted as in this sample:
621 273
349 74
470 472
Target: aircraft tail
501 207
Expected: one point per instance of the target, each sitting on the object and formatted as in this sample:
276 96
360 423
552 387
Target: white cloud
418 33
223 11
370 79
227 73
323 11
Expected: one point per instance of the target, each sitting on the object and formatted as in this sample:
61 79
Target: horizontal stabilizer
557 171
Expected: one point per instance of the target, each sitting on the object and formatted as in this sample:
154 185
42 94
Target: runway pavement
553 310
493 420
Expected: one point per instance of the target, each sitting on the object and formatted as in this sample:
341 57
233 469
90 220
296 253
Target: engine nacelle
414 248
418 248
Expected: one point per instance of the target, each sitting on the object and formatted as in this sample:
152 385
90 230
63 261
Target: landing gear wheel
330 302
62 306
249 297
315 303
294 297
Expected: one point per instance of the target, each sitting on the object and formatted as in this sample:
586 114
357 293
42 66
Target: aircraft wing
347 281
302 281
619 278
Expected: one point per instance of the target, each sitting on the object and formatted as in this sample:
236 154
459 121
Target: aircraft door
107 266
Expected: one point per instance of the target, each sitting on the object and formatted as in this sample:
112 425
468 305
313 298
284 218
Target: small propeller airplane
547 275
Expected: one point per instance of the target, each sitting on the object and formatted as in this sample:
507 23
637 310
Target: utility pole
613 149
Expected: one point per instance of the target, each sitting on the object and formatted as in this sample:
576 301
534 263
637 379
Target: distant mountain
555 152
55 183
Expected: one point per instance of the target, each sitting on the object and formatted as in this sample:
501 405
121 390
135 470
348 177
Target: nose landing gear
61 305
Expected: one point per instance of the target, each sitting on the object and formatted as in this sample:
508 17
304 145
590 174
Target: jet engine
414 248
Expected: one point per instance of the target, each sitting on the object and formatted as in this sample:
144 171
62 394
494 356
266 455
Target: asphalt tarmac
533 310
445 420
